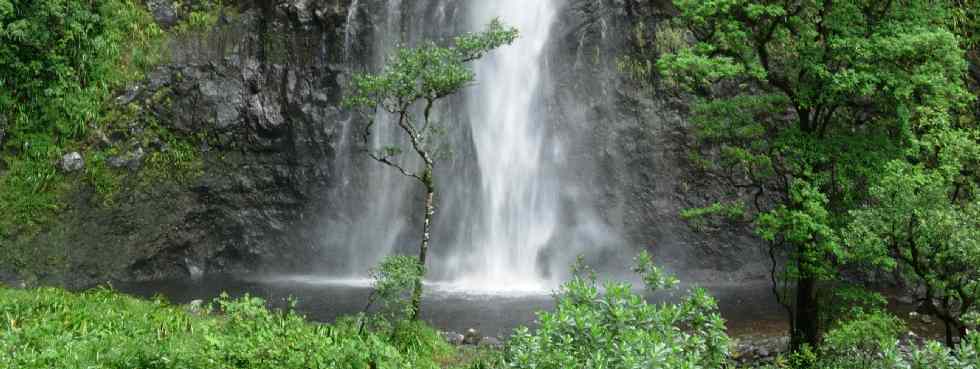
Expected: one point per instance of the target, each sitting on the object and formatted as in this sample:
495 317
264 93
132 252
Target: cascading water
500 211
519 195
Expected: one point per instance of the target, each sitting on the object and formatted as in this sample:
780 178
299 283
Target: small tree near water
408 87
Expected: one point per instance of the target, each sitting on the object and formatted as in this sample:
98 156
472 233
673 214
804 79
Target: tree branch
386 160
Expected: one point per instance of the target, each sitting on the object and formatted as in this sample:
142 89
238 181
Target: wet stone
472 337
71 162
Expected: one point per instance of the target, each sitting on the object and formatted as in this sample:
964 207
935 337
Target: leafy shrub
51 328
615 327
870 341
60 61
420 343
394 278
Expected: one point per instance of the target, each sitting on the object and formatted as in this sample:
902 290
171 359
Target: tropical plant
394 279
614 327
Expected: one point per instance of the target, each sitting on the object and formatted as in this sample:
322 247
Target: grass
53 328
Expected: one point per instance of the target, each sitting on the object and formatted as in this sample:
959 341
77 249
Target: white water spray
500 223
518 190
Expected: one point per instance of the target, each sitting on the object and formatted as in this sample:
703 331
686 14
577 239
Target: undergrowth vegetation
55 89
52 328
872 341
615 327
62 64
610 327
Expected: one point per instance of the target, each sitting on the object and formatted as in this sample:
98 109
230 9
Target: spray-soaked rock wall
264 88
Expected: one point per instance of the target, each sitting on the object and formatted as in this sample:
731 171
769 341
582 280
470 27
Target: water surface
749 308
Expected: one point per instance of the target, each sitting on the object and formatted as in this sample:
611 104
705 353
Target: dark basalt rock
264 89
163 12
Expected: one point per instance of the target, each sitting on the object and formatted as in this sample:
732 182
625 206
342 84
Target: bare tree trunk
426 235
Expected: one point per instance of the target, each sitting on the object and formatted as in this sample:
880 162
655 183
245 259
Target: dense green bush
51 328
615 327
60 59
60 62
871 341
394 278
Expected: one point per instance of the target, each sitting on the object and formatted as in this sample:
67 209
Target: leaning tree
412 81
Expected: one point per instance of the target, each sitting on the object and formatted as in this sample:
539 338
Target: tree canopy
802 104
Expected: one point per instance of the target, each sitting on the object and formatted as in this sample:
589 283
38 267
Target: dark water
748 307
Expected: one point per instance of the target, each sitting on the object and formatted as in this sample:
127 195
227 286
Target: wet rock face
264 88
637 146
261 94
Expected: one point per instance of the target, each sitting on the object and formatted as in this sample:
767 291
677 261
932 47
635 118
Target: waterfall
519 210
507 216
351 30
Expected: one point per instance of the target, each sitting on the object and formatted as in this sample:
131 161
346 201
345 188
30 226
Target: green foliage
105 181
60 59
179 161
805 223
803 103
49 328
27 193
480 357
870 341
925 220
200 18
427 72
420 343
424 74
848 302
614 327
701 217
394 279
965 22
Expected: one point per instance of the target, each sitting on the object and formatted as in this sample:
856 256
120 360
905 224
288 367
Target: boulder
71 162
163 12
453 338
472 337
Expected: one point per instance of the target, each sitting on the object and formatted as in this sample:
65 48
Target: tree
924 219
923 216
797 107
408 87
